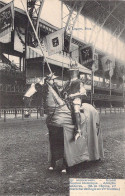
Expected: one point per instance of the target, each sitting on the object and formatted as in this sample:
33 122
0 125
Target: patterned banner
55 42
6 22
87 54
95 65
108 63
19 39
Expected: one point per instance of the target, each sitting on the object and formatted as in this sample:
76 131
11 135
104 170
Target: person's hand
78 135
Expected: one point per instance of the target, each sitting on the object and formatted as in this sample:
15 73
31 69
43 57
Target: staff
36 37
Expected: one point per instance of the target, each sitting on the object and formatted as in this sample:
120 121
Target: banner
19 39
6 22
95 65
87 54
75 52
111 71
108 64
119 71
55 42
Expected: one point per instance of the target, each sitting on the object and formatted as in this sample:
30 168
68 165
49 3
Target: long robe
90 145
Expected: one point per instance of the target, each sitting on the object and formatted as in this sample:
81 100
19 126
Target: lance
37 37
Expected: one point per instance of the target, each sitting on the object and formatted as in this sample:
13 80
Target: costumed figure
73 91
64 117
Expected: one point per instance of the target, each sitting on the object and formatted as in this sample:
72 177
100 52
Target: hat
51 76
40 81
73 66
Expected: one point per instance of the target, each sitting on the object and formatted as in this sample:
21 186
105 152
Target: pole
110 86
36 37
123 91
92 87
61 14
110 90
63 71
62 38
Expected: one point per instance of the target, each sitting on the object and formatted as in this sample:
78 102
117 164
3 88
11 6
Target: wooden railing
20 113
107 97
12 88
24 113
114 110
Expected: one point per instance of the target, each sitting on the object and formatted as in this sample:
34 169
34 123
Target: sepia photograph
62 97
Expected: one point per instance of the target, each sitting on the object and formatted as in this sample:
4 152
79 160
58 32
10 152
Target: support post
92 87
123 91
22 113
4 115
37 112
110 91
15 112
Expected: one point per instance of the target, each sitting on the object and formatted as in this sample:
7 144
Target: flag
19 39
95 65
87 54
111 71
6 22
108 63
55 42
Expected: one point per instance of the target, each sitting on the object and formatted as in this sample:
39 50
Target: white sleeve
82 89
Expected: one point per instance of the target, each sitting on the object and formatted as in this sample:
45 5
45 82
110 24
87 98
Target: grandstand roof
99 10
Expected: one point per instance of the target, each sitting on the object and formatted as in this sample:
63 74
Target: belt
81 110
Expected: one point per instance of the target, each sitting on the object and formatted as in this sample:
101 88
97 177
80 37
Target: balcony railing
5 71
12 88
107 86
107 97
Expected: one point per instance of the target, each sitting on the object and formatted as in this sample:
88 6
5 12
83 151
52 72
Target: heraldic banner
55 42
108 64
6 22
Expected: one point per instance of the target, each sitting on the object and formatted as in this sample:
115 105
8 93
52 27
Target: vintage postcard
62 97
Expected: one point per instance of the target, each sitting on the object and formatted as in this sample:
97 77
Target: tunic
75 89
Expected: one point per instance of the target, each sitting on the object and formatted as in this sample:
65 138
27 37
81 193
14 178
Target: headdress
73 66
51 76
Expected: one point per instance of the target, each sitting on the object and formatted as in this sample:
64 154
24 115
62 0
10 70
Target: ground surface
23 158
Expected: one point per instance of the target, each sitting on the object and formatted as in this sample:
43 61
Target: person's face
38 87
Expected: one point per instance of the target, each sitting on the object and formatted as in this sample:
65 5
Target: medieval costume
73 91
62 145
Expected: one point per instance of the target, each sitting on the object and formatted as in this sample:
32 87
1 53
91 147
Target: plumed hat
51 76
73 66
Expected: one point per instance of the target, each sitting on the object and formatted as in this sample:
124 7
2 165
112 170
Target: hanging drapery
55 42
55 59
108 63
6 22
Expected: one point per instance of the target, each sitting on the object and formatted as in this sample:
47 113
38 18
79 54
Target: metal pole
36 37
61 14
110 85
22 113
92 87
62 38
110 90
4 115
123 91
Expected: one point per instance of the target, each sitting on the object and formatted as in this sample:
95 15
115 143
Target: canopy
55 59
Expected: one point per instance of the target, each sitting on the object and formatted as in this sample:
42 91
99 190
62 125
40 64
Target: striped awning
55 59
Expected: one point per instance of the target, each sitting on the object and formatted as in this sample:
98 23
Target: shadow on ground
23 158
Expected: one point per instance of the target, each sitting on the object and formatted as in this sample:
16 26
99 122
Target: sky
88 32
